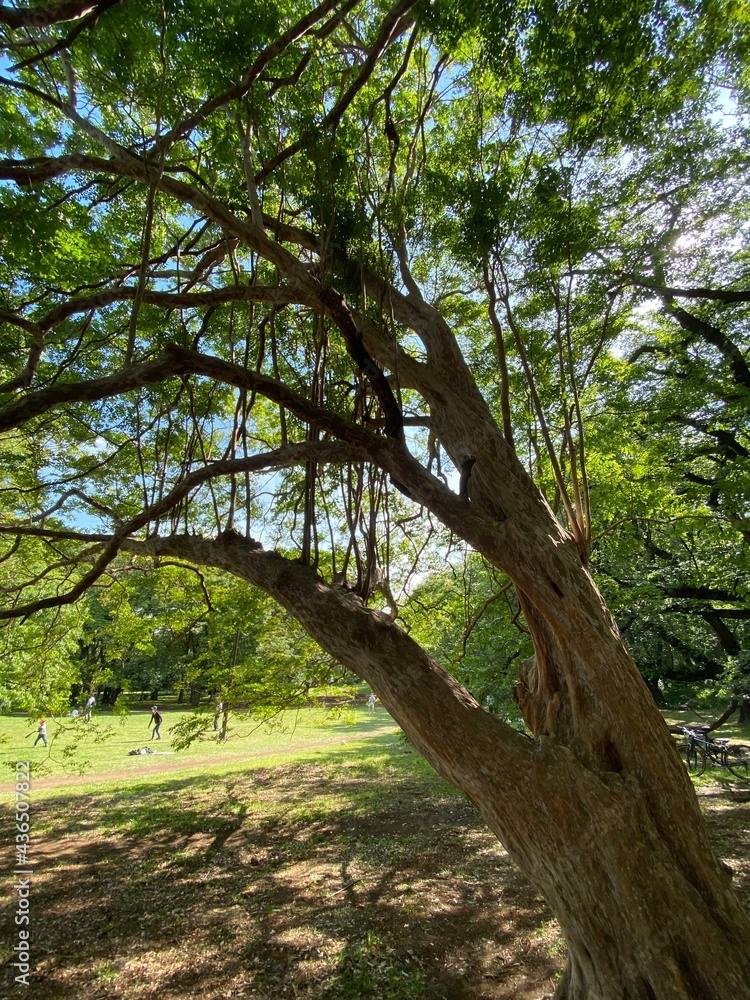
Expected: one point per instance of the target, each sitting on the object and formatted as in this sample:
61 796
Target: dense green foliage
552 175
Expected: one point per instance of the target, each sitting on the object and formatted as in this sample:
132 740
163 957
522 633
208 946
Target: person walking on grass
157 721
42 733
90 704
371 703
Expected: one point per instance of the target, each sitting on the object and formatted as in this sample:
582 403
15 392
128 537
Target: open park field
321 858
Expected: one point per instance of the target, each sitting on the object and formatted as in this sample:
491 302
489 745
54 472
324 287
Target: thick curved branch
24 379
709 669
111 548
271 295
168 300
703 594
727 638
375 648
122 163
88 21
481 523
730 446
718 339
715 617
112 544
54 534
699 327
413 312
338 310
51 13
647 349
34 404
712 294
485 530
179 362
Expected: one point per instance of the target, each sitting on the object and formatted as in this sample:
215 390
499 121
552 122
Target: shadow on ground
357 875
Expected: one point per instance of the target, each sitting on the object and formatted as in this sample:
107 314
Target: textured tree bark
602 818
46 14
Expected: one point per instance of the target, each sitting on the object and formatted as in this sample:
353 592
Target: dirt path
163 764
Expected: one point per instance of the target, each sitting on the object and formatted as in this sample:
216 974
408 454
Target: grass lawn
103 746
346 870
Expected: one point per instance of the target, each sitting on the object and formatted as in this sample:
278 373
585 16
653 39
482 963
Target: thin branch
502 359
394 24
95 504
280 45
575 526
718 339
178 361
160 564
650 520
24 378
477 618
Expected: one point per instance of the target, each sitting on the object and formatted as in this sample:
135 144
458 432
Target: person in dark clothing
157 721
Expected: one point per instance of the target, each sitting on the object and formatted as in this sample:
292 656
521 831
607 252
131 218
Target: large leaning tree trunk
600 816
597 809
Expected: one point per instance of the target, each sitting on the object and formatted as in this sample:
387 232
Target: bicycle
702 749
